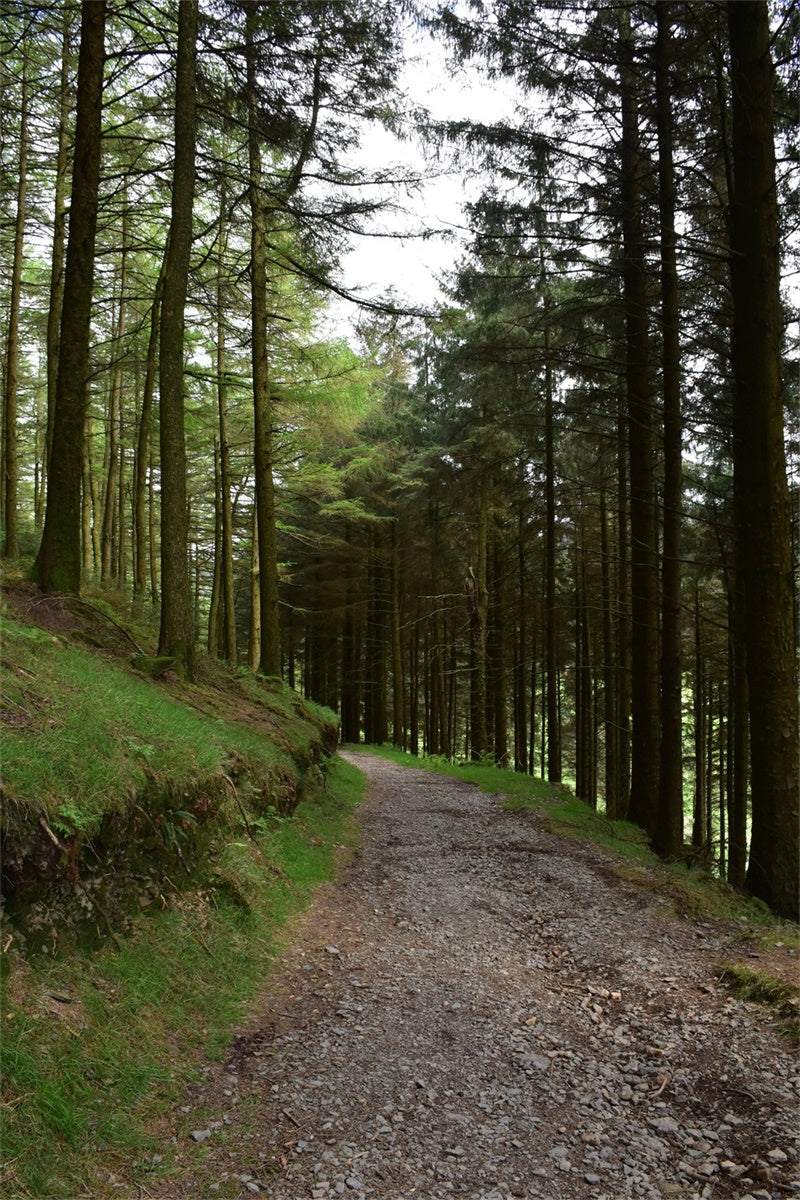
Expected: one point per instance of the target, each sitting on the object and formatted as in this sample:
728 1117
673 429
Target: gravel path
479 1008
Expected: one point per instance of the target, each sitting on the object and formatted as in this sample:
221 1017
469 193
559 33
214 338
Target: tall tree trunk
645 737
58 566
497 625
176 637
214 604
254 656
89 540
270 660
10 451
610 675
123 525
59 233
477 610
439 736
553 722
108 564
700 833
669 825
351 692
227 596
520 660
622 588
761 497
738 754
141 520
398 679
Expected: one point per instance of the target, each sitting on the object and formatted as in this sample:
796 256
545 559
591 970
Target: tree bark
553 721
58 566
59 236
398 675
270 658
10 464
108 563
227 596
645 736
141 521
668 839
761 497
176 637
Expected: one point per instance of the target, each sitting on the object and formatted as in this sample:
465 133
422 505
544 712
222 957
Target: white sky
413 267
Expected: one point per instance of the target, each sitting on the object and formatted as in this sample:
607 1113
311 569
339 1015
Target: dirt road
479 1008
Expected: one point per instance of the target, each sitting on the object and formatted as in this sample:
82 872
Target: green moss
775 995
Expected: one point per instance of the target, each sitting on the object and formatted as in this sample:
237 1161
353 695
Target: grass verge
95 1046
780 999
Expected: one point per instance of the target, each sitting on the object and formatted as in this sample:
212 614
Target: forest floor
481 1008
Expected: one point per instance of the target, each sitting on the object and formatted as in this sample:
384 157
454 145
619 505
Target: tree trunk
553 723
226 581
610 675
141 520
622 590
10 463
59 235
214 607
498 660
176 637
520 660
669 825
645 737
58 566
398 680
254 656
738 754
108 564
477 610
270 660
761 498
699 831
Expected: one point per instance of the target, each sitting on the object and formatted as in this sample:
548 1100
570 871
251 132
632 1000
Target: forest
547 520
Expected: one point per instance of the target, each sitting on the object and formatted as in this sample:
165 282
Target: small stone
666 1125
777 1156
538 1061
589 1178
201 1135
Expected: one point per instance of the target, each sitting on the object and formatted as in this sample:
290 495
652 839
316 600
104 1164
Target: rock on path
481 1009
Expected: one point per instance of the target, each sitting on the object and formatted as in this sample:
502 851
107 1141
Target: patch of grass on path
95 1046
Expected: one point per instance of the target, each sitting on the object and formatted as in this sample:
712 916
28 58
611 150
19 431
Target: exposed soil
480 1008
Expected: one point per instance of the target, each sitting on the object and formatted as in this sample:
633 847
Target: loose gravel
480 1008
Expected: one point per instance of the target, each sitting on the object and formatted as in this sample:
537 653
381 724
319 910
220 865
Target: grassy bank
158 833
94 1046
